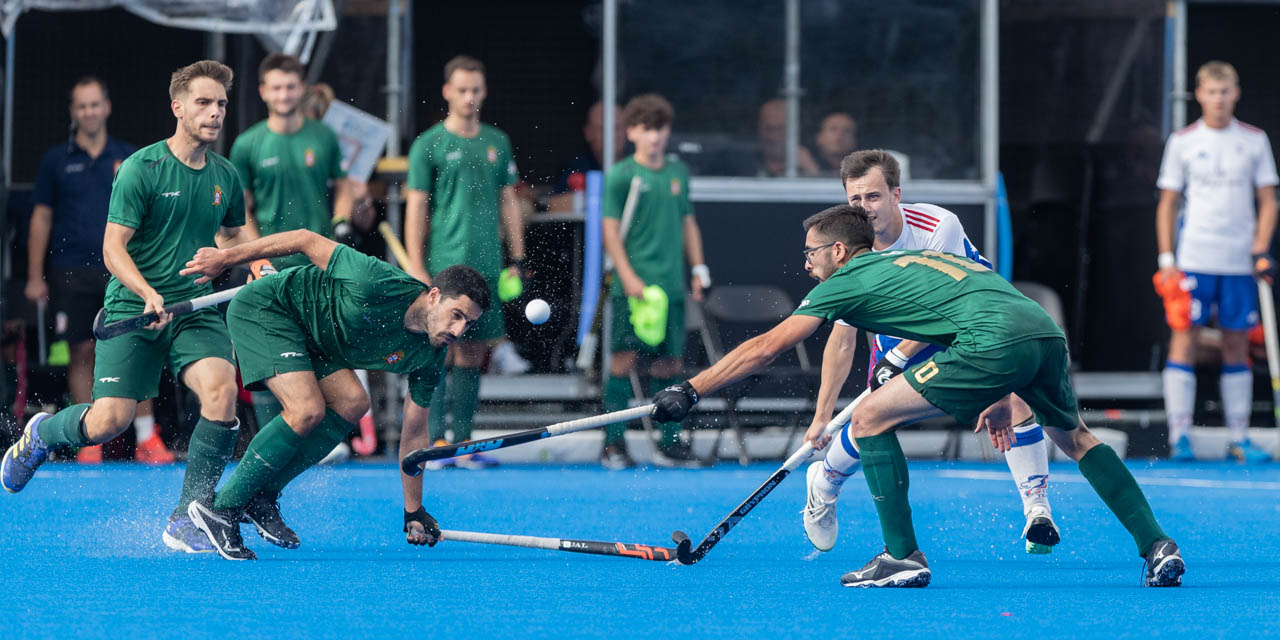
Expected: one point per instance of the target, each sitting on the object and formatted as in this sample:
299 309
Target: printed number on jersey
953 266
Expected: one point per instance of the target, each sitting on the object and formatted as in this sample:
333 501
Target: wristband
896 358
702 273
1166 260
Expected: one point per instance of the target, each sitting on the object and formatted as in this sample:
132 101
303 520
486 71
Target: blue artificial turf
81 557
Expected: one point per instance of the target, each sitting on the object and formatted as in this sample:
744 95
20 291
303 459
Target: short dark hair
212 69
843 223
461 280
86 81
462 63
649 110
280 62
860 163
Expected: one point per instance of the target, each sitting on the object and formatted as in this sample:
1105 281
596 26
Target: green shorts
963 383
623 336
269 341
129 366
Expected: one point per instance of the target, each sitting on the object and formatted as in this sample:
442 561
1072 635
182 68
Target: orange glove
1177 300
259 269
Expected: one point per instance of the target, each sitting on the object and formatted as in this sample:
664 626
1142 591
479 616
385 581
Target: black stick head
100 321
684 548
410 468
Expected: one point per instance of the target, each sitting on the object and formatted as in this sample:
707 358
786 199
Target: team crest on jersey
217 195
395 357
493 154
309 157
675 187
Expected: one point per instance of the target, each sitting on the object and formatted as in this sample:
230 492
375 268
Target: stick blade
684 548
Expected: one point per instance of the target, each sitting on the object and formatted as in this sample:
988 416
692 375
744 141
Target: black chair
735 313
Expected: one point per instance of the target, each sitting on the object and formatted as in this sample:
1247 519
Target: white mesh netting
290 25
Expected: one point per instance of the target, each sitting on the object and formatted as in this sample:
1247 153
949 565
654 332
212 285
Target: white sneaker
505 361
1041 533
820 522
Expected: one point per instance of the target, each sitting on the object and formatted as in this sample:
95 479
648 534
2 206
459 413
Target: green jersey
929 296
353 312
174 210
288 175
655 238
463 178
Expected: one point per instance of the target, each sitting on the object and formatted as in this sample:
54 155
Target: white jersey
1217 172
930 227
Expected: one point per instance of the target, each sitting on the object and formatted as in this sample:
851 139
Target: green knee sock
617 393
464 394
63 429
313 448
885 467
670 430
269 453
1116 486
211 446
436 425
265 406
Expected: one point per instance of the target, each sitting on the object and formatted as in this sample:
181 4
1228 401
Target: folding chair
741 312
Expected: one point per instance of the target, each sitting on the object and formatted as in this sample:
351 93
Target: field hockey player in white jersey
871 180
1223 172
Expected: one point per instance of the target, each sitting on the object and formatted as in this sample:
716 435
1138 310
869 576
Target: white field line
1194 483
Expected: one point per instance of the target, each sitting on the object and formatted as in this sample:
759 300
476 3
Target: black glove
889 366
1264 266
673 403
428 523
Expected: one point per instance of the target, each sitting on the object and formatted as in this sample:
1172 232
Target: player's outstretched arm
837 358
513 222
209 262
414 435
115 254
673 403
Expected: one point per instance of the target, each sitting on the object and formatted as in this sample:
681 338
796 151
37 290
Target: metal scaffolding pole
791 84
989 116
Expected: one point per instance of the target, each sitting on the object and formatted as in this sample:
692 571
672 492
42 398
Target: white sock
1029 463
1237 399
841 462
1179 398
145 427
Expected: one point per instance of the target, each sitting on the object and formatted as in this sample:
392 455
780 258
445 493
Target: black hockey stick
104 331
689 555
623 549
412 462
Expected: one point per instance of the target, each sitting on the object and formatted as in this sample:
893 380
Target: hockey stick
691 556
412 463
394 244
626 550
104 331
1268 307
588 349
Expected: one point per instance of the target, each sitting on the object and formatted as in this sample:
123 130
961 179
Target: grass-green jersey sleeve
422 171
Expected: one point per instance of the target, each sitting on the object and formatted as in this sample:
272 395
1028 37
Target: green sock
211 446
617 393
464 394
265 406
670 430
313 448
63 428
436 425
1116 486
885 467
269 453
